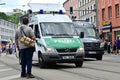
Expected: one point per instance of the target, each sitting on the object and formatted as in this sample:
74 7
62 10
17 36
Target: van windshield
58 29
88 29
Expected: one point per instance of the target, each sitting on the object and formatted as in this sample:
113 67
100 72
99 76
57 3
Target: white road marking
6 69
10 77
2 65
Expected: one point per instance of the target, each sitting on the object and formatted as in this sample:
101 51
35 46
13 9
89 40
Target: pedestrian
114 48
109 47
105 46
3 48
14 47
0 49
117 42
25 51
10 50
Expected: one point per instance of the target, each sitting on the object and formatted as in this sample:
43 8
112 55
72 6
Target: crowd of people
8 48
109 48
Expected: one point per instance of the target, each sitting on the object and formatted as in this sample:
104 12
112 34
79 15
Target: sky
22 4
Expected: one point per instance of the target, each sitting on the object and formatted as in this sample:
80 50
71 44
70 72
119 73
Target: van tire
41 62
79 63
99 57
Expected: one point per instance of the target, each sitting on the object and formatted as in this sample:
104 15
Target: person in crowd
114 48
117 42
14 47
25 52
3 48
0 49
109 47
105 46
10 49
7 48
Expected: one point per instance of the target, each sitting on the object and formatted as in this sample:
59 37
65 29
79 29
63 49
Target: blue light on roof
60 11
41 11
87 19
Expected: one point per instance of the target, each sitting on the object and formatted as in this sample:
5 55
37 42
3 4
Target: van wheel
99 57
42 64
79 63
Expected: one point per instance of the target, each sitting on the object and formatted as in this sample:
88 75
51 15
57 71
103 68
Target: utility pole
97 12
78 9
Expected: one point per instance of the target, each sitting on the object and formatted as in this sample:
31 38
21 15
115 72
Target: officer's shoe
30 76
22 76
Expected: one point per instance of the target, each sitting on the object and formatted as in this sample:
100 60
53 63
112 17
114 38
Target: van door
37 34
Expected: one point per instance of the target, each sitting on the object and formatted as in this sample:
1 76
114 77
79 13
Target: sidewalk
112 57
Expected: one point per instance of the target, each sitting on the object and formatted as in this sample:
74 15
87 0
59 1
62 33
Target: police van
92 42
56 38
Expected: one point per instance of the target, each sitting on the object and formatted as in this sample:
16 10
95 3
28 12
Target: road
107 69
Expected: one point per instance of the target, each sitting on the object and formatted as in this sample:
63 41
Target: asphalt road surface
107 69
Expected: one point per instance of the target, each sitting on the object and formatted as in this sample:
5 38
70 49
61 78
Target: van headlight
81 49
50 49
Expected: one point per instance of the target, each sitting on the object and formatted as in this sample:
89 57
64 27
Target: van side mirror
38 36
81 35
97 30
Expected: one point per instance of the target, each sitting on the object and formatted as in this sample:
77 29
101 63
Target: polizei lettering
64 41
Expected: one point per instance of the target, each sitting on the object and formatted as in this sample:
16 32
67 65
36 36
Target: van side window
31 26
36 31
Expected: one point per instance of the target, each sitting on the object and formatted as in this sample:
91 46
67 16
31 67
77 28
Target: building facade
74 5
84 9
109 11
7 31
87 10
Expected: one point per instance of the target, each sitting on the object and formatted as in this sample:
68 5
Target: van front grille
66 50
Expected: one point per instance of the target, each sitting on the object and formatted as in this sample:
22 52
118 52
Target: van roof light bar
50 12
41 11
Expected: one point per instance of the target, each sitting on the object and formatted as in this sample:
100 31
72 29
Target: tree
14 18
3 15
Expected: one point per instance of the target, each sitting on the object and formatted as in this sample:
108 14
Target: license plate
67 57
92 52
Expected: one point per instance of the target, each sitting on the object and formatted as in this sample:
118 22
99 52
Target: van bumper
62 57
94 53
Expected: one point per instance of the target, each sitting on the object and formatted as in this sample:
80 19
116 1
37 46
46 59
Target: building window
117 10
88 9
85 11
103 14
94 18
83 2
91 19
91 7
110 12
94 6
80 4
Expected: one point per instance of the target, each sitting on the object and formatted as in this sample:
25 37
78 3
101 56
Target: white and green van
56 39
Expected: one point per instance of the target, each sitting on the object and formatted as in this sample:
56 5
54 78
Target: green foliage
12 18
3 15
